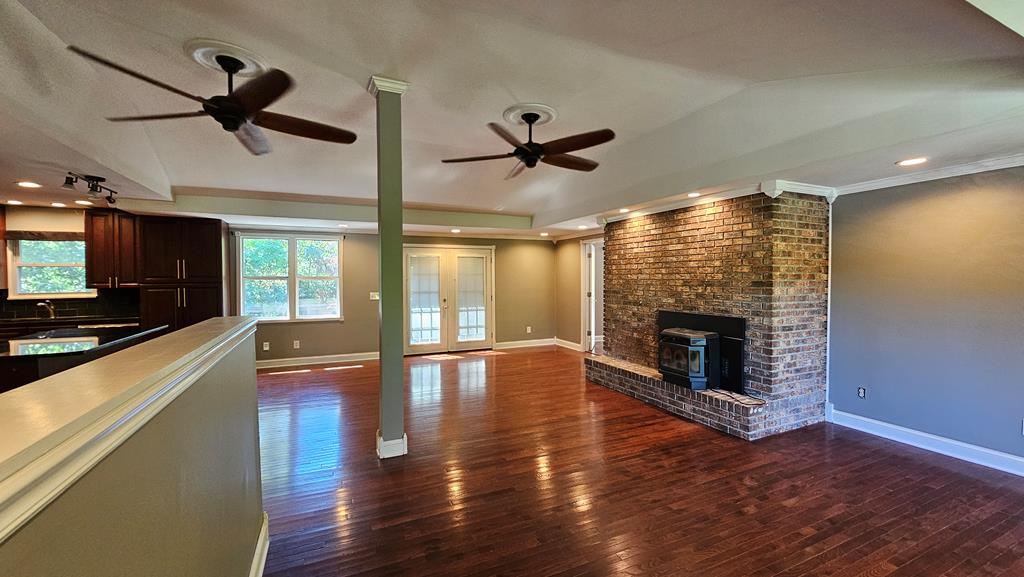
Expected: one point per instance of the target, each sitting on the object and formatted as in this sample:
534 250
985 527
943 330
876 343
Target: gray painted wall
524 278
928 307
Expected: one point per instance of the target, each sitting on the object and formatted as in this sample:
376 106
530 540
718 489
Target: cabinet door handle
184 298
115 282
109 284
177 298
184 275
177 269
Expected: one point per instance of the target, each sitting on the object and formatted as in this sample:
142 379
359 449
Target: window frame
293 276
14 263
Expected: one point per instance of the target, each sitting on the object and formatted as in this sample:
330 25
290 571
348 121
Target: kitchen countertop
72 341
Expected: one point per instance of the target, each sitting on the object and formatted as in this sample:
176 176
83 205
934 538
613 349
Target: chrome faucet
49 308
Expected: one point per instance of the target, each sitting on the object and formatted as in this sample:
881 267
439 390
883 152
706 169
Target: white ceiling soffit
703 94
1008 12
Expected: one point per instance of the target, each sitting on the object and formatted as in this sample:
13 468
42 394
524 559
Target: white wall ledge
56 429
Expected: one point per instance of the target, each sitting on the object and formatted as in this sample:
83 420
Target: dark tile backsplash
108 303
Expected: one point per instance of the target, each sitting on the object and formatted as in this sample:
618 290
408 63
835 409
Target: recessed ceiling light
693 194
29 184
14 202
543 234
343 225
456 230
582 226
58 204
913 161
83 202
623 210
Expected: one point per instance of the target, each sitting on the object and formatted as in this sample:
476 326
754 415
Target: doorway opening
592 313
449 298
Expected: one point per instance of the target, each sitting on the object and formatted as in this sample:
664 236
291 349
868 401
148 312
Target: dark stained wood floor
517 466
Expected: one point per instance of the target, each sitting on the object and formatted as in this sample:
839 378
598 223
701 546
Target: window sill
49 296
293 321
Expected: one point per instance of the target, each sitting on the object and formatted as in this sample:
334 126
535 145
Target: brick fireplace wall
755 257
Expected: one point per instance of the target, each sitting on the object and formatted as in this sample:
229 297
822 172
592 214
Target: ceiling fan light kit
240 111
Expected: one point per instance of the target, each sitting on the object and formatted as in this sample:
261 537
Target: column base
393 448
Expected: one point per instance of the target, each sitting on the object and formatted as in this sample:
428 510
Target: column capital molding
385 84
774 188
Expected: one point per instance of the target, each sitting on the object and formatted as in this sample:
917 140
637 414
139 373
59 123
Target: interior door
448 299
425 301
470 321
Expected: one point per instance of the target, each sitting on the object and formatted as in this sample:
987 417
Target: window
47 269
290 278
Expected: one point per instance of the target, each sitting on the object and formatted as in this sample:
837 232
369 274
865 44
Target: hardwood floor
517 466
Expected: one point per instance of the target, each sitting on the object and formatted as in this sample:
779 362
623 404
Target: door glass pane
424 299
472 294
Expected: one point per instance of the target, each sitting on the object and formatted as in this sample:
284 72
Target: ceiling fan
554 152
241 111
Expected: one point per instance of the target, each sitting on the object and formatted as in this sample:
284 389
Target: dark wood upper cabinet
159 250
127 248
201 251
100 247
110 249
179 250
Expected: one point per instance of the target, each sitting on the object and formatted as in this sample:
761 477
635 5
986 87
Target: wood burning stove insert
701 351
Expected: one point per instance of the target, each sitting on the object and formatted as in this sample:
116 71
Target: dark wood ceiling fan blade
569 161
158 116
302 127
476 158
252 138
578 141
262 91
516 171
505 134
133 74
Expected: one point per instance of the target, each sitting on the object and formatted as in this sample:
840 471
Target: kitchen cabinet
110 249
178 306
179 250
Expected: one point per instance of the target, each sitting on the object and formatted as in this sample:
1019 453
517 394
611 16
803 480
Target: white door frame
445 250
586 245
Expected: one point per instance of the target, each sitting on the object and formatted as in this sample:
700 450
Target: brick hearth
755 257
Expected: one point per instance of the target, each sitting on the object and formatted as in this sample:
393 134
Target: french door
449 299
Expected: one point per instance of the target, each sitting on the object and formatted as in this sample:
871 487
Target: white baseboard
568 344
392 448
949 447
259 557
319 360
521 344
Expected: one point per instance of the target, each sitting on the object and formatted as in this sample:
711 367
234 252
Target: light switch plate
266 346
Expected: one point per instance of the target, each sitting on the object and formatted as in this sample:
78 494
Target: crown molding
774 188
934 174
681 203
384 84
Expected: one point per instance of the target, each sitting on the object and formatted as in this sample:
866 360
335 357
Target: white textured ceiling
702 93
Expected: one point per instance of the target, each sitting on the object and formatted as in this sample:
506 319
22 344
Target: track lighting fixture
95 187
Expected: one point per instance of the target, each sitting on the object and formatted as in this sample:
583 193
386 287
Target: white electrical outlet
266 346
295 344
529 329
374 296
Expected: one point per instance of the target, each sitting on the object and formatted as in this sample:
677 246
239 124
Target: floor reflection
473 377
425 383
